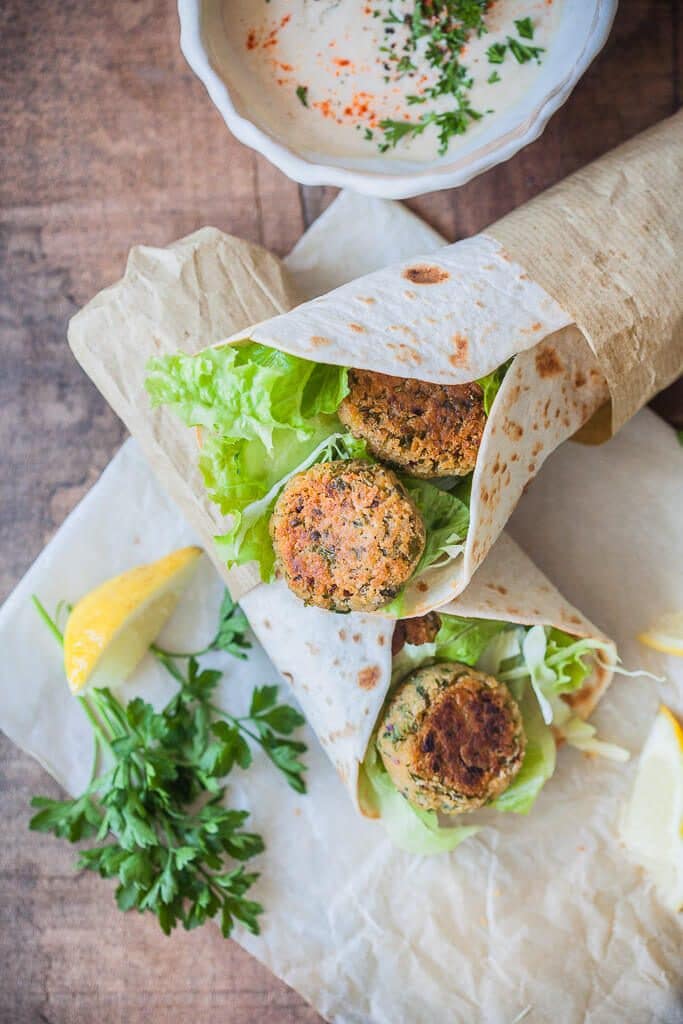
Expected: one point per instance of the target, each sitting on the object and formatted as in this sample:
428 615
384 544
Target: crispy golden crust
451 738
420 630
427 429
347 536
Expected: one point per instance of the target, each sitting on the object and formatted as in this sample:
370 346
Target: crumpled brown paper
194 292
607 244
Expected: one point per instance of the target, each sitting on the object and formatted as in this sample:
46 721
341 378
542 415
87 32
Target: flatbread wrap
434 723
432 392
475 363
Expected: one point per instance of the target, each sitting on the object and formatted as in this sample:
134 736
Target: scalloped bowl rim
372 183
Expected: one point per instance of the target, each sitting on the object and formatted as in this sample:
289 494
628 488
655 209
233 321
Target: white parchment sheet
543 918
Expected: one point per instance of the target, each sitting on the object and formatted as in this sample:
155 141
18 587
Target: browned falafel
347 535
451 738
429 430
421 629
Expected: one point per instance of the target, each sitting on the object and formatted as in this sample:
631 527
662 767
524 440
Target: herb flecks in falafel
429 430
451 738
347 536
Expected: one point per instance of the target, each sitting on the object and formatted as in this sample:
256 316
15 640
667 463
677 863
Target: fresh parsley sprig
157 808
231 634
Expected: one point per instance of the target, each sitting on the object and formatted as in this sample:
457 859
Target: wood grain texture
108 140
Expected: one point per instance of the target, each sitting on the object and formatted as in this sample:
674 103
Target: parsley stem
100 735
161 653
49 622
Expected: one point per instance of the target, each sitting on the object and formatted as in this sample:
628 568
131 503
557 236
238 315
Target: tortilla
451 319
339 666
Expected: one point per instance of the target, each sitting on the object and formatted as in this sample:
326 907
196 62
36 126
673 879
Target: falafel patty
427 429
422 629
347 536
451 738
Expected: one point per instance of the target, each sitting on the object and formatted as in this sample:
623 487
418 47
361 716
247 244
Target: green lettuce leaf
247 391
446 518
538 764
412 830
490 385
248 538
554 662
465 640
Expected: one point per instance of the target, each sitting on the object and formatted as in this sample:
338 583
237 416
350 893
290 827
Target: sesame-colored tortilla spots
318 341
357 328
461 355
422 273
513 430
404 353
369 677
579 379
366 299
409 295
548 363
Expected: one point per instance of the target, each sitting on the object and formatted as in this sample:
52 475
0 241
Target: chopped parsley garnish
496 53
523 53
433 36
525 28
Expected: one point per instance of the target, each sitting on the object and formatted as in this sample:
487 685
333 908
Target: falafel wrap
433 720
432 392
457 374
441 383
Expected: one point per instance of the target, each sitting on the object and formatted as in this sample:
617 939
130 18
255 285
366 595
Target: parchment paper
544 918
606 243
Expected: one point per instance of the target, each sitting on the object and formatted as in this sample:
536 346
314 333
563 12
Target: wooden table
108 140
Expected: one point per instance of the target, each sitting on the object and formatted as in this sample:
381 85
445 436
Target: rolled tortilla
453 318
596 317
340 666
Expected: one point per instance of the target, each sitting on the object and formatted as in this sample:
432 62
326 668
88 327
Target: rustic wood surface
108 140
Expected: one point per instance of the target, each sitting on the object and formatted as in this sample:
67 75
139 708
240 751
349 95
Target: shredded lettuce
411 829
538 664
554 662
490 385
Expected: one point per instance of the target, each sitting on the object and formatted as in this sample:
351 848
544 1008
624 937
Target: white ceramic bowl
583 31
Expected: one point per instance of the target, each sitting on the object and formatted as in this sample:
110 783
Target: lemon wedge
666 635
652 823
111 628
